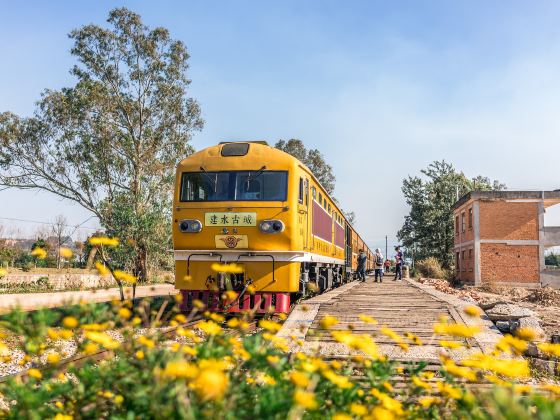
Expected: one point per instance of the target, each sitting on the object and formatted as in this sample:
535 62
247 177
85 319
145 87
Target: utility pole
386 249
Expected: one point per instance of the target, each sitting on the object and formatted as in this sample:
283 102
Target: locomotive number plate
232 241
230 219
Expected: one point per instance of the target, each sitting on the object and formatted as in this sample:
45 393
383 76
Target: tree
428 228
61 233
111 142
314 160
552 259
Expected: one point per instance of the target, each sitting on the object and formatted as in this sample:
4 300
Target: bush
431 267
216 370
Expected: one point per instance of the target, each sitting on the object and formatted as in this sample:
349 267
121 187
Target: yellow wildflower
457 330
227 268
53 334
102 338
65 252
102 269
103 240
387 402
265 379
282 316
233 323
380 413
209 327
251 289
414 338
125 313
368 319
217 318
60 416
512 368
340 381
328 321
299 379
388 386
211 384
139 354
358 409
270 325
553 349
53 358
472 311
420 383
145 341
458 371
35 373
229 295
69 322
341 416
449 391
90 348
554 388
526 333
94 327
272 359
180 369
59 404
124 276
450 344
40 253
118 399
508 343
305 399
3 272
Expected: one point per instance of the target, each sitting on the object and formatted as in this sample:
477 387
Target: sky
380 88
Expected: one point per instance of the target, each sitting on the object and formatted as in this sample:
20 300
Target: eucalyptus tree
111 142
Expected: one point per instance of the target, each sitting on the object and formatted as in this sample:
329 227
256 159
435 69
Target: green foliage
112 141
230 375
431 267
314 160
552 259
428 228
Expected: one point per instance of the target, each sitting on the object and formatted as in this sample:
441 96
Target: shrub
431 267
213 373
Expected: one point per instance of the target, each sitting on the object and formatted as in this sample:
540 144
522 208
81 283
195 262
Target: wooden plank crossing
399 306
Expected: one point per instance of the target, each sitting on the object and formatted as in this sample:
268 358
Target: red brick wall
509 263
503 220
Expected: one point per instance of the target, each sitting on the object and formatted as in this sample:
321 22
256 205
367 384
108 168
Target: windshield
234 186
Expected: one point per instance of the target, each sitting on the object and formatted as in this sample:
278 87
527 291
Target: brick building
500 237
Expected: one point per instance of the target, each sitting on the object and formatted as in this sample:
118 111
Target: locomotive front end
232 228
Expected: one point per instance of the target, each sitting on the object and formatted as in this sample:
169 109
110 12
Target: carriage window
306 192
320 199
329 208
314 193
301 190
234 186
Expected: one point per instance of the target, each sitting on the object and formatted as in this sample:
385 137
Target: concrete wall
551 236
58 281
551 278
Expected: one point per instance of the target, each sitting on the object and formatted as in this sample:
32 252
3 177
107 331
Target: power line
14 219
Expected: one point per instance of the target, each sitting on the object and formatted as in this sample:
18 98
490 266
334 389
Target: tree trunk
141 264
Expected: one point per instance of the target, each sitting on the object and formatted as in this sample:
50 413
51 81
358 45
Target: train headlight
272 226
190 226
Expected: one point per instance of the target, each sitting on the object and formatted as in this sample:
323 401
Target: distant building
500 238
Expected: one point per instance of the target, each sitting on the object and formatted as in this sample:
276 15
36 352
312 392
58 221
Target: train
261 211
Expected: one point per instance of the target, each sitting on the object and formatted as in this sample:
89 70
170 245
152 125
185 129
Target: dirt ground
545 302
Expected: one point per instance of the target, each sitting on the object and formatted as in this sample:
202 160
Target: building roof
549 197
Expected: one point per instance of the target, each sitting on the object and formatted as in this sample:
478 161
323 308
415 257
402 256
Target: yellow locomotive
261 208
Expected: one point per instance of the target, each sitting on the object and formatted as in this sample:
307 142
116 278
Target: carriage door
303 212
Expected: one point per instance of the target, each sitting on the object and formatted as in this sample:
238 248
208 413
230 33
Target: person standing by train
362 258
378 265
399 263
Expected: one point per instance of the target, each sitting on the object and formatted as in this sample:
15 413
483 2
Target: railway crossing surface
403 307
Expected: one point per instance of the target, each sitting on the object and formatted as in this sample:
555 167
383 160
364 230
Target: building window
301 190
470 218
457 262
456 225
463 222
463 261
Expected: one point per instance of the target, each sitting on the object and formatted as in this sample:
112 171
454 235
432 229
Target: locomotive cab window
234 186
300 191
